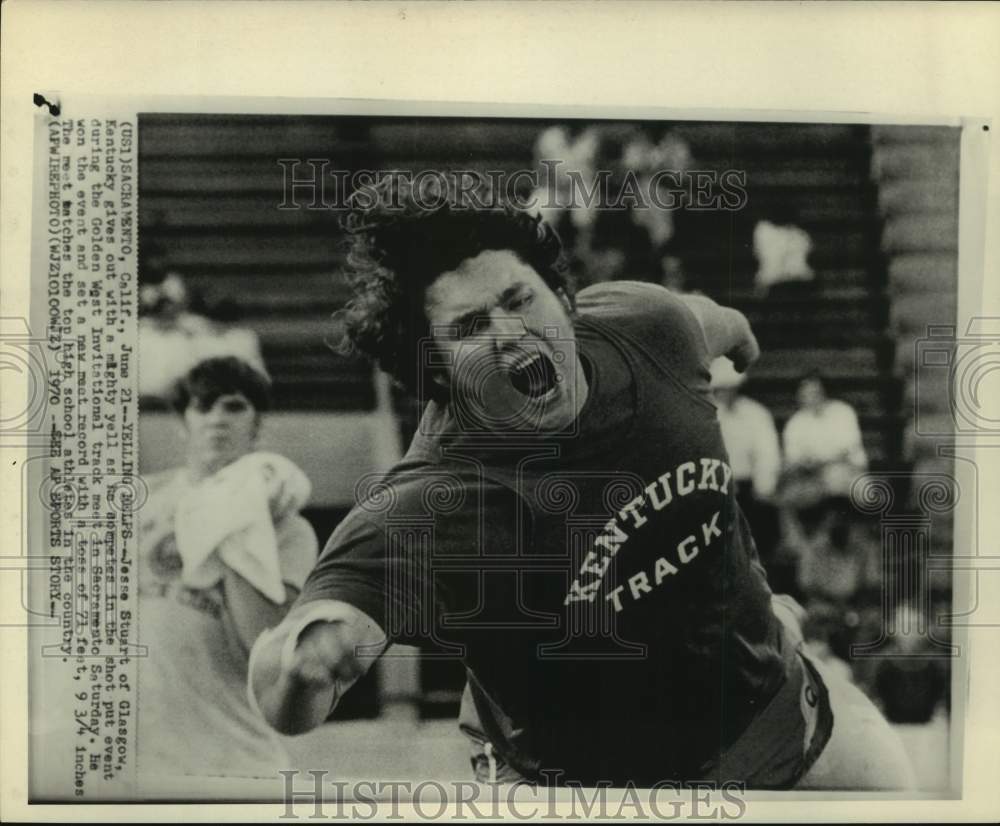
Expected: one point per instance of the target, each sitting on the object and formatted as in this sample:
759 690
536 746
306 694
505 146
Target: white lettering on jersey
662 569
657 494
682 549
685 478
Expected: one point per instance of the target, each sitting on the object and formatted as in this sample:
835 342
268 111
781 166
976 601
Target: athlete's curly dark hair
401 241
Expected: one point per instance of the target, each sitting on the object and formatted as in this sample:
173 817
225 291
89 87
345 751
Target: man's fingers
313 671
313 662
323 655
746 353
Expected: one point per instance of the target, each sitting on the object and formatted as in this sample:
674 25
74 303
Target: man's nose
218 414
506 324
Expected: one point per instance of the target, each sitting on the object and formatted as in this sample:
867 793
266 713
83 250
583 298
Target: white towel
229 519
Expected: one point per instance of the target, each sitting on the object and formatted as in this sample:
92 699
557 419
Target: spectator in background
824 454
822 442
559 156
751 441
910 682
223 552
176 330
648 161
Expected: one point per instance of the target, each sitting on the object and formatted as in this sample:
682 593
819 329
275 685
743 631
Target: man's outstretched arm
727 331
300 669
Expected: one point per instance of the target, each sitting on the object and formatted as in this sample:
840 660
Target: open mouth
534 376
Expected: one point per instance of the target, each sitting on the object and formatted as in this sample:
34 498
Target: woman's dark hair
402 239
215 377
813 375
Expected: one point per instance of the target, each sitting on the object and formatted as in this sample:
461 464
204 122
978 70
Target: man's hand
746 350
299 670
324 656
295 688
727 331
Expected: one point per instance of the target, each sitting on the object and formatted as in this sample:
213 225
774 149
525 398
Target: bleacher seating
211 187
917 172
818 178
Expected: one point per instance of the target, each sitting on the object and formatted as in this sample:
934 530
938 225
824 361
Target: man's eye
473 326
235 407
520 302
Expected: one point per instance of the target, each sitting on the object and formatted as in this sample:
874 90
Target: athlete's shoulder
415 496
654 318
628 298
640 308
418 489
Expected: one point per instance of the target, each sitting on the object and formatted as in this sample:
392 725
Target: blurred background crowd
841 254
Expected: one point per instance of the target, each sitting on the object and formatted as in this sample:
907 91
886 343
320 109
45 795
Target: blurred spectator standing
564 163
658 166
751 441
612 192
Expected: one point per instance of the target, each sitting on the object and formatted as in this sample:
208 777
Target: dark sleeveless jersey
600 585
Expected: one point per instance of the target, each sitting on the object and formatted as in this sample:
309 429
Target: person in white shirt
823 435
223 552
748 431
824 454
751 441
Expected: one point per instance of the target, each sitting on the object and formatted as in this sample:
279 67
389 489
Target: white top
781 252
830 435
194 718
752 444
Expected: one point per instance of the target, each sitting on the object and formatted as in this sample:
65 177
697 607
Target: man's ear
568 304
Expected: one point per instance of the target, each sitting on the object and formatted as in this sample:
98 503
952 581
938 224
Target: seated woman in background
824 455
823 439
178 329
223 551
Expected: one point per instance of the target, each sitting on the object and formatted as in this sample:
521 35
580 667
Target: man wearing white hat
751 440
